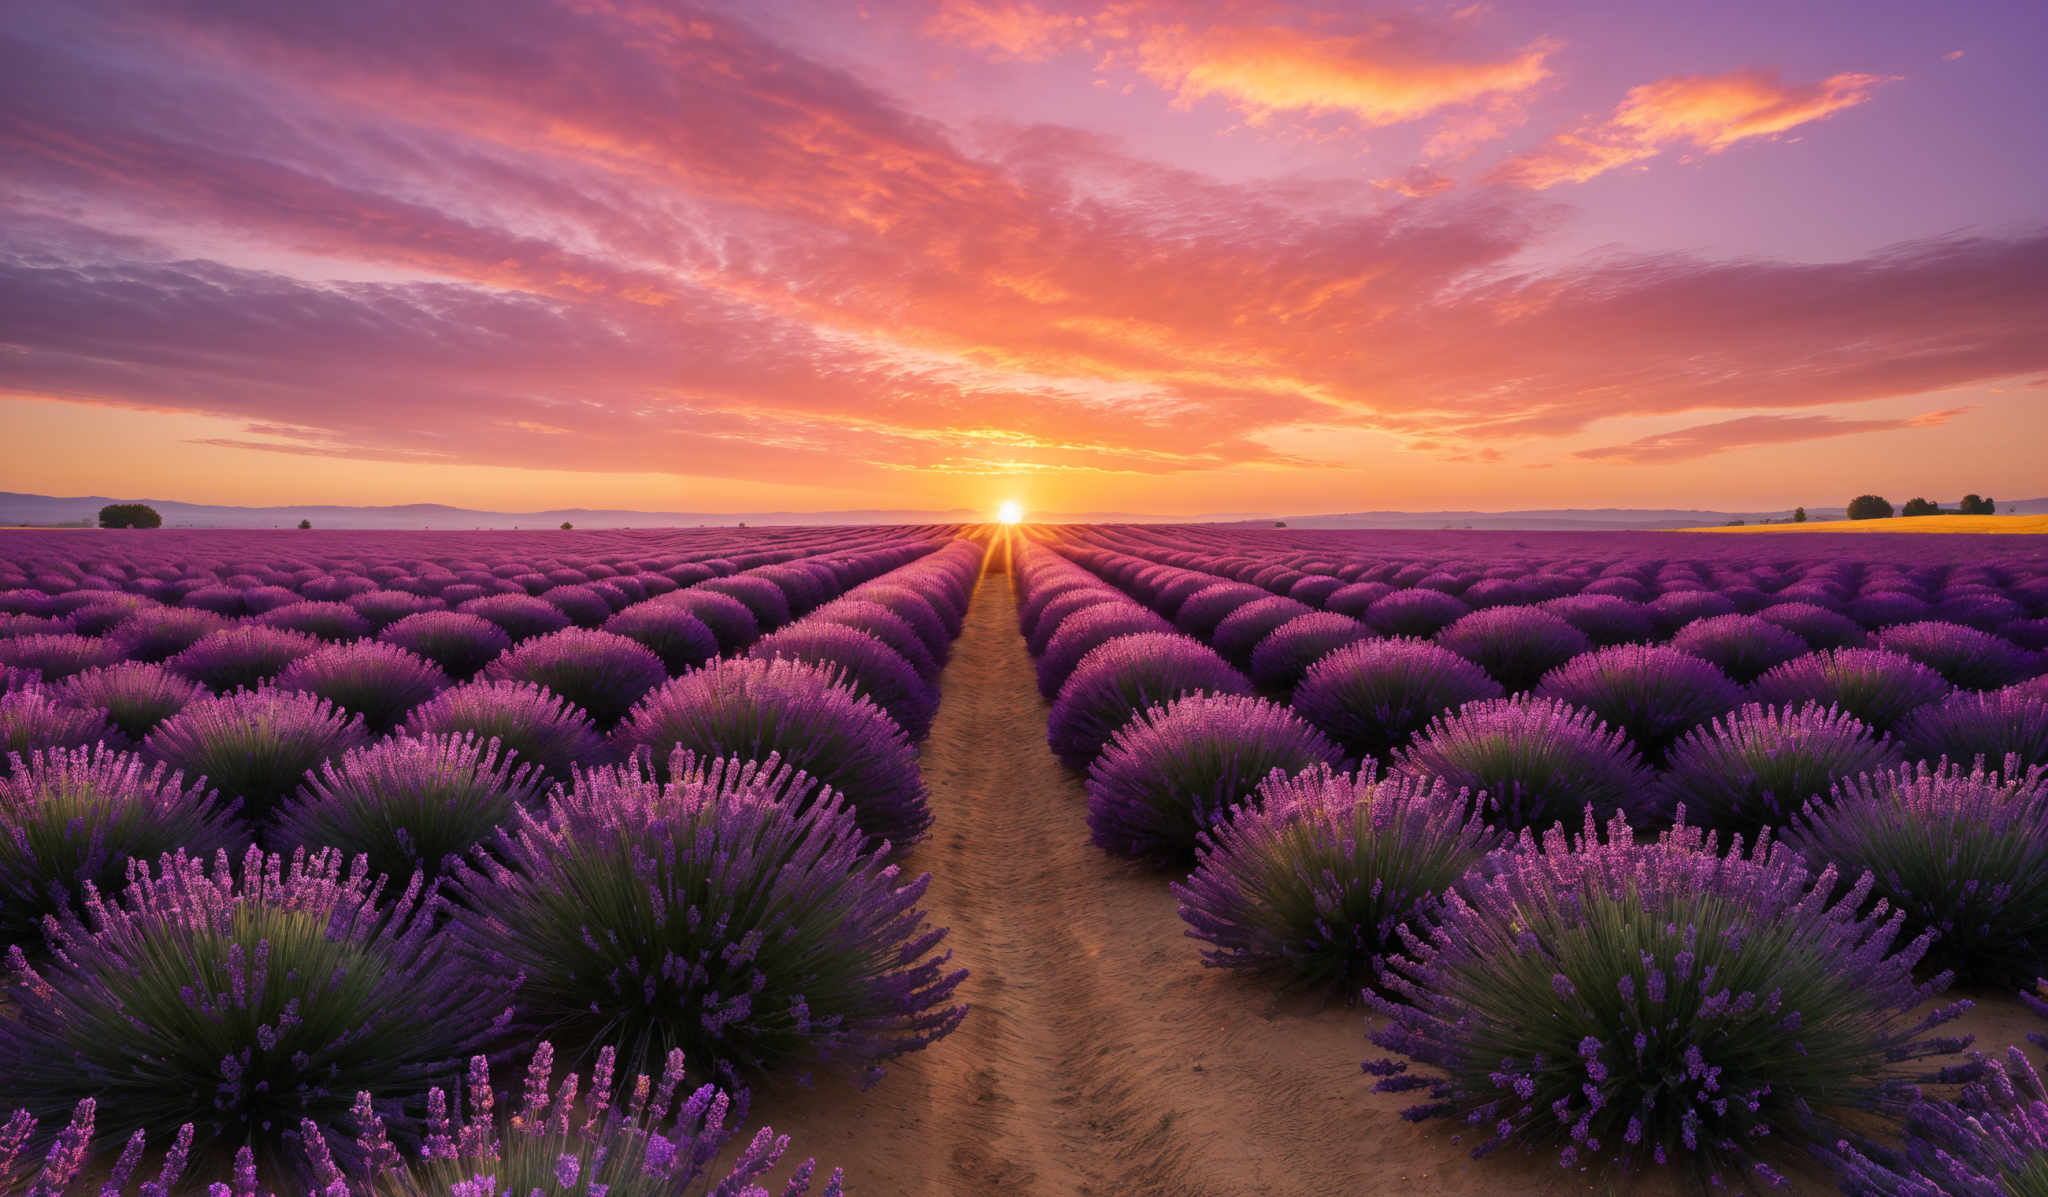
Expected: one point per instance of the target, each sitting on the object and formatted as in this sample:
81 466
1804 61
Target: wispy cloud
1705 440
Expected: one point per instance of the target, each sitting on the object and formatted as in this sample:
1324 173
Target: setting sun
1011 512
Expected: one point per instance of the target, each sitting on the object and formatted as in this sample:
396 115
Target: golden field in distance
1904 523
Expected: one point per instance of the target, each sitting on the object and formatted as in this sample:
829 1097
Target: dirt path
1099 1056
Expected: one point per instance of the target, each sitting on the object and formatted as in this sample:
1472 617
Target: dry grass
1917 523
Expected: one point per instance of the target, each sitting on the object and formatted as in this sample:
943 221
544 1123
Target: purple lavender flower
1820 627
801 713
521 616
1968 726
58 656
254 745
1516 646
1674 609
1692 1003
730 912
1174 770
409 804
1283 658
538 726
1968 658
1311 880
34 717
1122 677
135 696
1992 1141
584 605
1370 697
241 656
884 625
678 638
1535 762
1418 613
333 622
243 1001
728 618
602 673
1086 630
1757 767
70 818
1963 854
1356 598
1652 693
1240 631
1042 615
763 598
936 626
461 644
382 608
377 681
1201 612
866 666
1880 688
1741 646
1604 618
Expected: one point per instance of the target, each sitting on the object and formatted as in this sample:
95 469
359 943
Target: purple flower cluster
1694 1005
1992 1141
1371 696
1124 676
1535 762
254 745
1759 766
733 911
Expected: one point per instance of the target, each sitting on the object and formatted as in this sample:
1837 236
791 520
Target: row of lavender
644 816
1696 999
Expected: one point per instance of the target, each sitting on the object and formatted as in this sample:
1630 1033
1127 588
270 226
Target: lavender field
1047 859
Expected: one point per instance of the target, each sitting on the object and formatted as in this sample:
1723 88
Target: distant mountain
17 509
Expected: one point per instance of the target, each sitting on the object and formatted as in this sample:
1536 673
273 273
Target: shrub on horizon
1695 1003
248 1001
1869 507
1311 880
1174 770
1372 696
733 912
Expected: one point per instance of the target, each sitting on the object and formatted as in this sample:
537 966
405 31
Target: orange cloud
1705 440
1004 28
1709 112
1383 77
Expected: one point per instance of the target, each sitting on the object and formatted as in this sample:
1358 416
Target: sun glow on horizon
1011 512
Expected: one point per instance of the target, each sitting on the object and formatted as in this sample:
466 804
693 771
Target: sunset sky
1143 256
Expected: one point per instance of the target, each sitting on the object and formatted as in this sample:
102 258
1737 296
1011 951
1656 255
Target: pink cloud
1707 112
1705 440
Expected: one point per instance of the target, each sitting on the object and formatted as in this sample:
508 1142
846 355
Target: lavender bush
1652 693
1880 688
409 804
375 681
1968 658
730 912
1741 646
1310 881
1697 1005
246 1001
602 673
58 655
460 644
1963 854
241 657
1370 697
678 638
1283 658
1516 646
1992 1141
1174 770
137 697
33 718
1757 767
1969 726
867 666
74 817
1085 631
531 723
1123 676
1534 762
801 714
254 745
